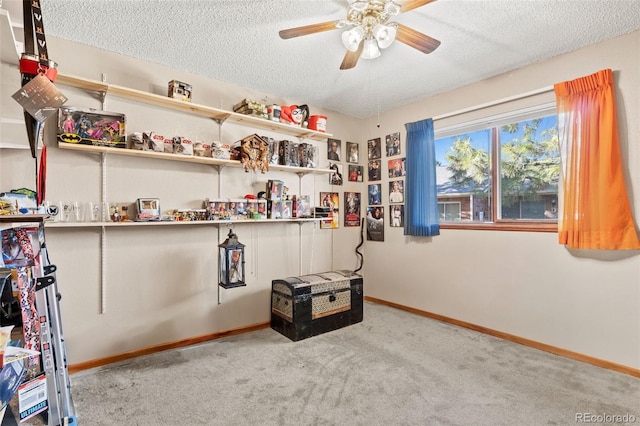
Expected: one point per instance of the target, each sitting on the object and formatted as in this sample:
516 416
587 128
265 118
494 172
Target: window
449 211
500 170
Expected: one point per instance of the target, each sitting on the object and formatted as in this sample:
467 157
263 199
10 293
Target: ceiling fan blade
408 5
416 39
351 58
308 29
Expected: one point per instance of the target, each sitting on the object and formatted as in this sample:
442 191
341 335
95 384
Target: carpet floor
394 368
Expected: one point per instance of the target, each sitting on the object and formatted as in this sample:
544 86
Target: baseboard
516 339
506 336
163 347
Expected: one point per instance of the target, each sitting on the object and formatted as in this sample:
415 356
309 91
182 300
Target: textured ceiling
237 41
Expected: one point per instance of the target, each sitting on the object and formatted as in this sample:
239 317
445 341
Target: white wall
524 283
161 282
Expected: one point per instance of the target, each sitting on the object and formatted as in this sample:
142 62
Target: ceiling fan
371 29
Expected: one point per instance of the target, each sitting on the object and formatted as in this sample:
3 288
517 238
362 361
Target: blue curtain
421 195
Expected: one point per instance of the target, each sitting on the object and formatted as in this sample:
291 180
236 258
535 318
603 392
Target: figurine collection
258 152
90 127
274 203
293 154
295 115
179 145
254 152
281 205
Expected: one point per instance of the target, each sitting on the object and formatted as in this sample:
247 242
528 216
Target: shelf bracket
103 100
300 176
103 95
219 121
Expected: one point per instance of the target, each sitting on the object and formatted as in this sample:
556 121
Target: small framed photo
331 201
148 209
355 173
375 223
392 143
353 153
396 191
351 209
335 177
374 170
373 149
397 168
375 194
396 216
333 149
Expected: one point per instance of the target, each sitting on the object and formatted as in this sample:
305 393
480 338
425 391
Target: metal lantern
231 262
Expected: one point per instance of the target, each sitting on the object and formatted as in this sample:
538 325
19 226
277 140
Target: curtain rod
494 103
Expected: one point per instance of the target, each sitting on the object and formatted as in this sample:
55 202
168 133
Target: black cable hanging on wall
360 245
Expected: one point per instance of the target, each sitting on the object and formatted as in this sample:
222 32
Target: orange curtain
595 208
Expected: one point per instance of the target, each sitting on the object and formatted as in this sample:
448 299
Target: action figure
83 127
68 124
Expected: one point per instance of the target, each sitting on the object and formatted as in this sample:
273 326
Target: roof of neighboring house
445 186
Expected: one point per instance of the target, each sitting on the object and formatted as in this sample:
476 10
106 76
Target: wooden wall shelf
8 50
91 149
217 114
174 223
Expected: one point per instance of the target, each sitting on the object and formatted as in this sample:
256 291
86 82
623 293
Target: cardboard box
275 189
302 206
151 141
148 209
180 90
91 127
182 146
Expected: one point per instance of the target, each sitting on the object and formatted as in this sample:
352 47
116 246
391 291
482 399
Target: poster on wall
355 173
375 223
332 201
353 153
335 177
396 191
351 209
374 170
397 168
392 144
373 149
333 149
375 194
396 216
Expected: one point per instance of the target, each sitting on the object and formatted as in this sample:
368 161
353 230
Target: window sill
502 226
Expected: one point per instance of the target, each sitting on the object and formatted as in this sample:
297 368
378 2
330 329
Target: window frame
494 122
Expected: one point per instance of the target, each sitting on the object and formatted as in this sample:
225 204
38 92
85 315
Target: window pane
529 169
449 212
529 209
463 176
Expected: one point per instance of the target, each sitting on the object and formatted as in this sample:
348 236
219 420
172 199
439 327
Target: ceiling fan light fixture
370 29
370 50
391 8
358 5
384 35
352 38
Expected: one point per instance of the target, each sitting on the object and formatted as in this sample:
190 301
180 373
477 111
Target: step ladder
53 357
